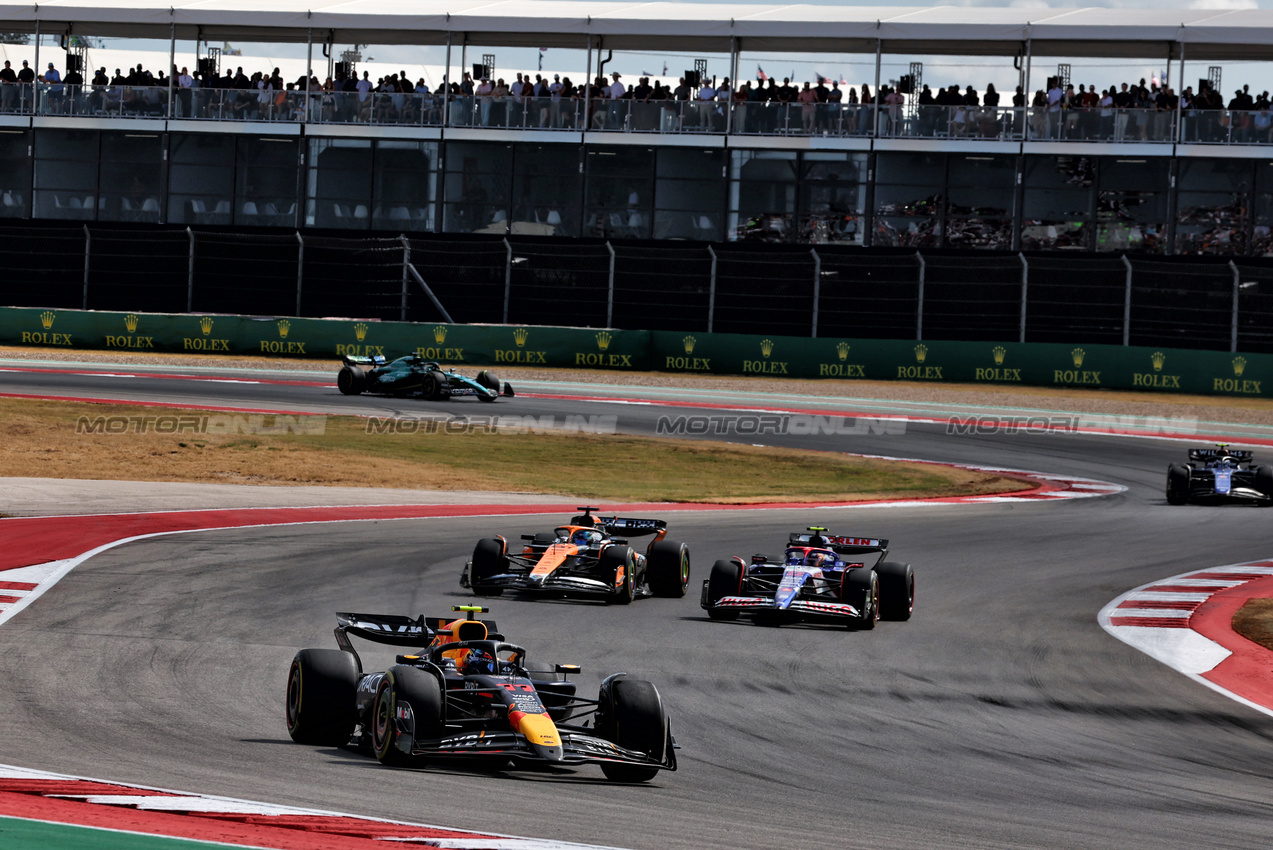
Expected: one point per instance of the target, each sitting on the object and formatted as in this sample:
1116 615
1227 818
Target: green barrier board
1170 370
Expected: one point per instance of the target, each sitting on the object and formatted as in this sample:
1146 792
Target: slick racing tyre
667 570
618 568
1264 480
489 381
725 580
416 688
860 588
897 590
635 720
320 697
488 560
351 380
1178 484
433 385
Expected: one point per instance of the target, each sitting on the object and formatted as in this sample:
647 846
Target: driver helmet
1224 458
819 559
584 537
479 661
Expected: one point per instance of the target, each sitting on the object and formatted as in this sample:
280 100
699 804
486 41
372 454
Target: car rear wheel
488 560
1264 480
668 570
351 380
1178 484
860 588
321 685
634 720
432 385
416 688
897 590
725 580
618 569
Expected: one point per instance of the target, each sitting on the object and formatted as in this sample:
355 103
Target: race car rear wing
632 527
355 360
841 544
1204 455
393 629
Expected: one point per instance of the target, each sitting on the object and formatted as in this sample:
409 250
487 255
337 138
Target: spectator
53 93
8 87
808 99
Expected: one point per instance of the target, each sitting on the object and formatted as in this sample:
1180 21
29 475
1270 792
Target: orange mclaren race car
469 696
583 558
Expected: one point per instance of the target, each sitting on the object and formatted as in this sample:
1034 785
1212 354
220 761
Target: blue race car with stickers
470 697
820 577
414 376
1214 476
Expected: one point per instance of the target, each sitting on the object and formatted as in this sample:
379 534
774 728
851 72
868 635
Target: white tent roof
707 27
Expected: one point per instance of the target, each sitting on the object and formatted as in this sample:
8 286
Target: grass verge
41 440
1254 621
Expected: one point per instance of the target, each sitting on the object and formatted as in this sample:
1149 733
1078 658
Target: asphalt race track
1000 716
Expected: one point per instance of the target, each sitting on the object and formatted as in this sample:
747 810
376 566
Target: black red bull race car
1220 474
468 696
583 558
821 577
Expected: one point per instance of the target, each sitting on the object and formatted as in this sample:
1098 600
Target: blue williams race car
820 578
1219 475
413 375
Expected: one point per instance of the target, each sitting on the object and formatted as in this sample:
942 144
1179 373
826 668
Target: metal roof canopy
692 27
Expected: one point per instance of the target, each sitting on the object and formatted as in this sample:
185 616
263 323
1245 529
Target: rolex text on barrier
1161 369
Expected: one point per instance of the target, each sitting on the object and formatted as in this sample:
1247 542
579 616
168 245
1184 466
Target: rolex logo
999 352
360 331
46 319
1157 358
205 325
439 334
842 351
283 327
603 340
688 342
1077 355
921 352
1239 366
519 336
766 347
130 323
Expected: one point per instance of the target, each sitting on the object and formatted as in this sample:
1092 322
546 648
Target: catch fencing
1185 303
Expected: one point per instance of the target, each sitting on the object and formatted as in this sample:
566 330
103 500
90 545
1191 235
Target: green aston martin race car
414 376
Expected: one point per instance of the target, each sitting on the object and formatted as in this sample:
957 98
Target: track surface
1000 716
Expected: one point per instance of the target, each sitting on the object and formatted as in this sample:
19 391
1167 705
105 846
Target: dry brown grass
1254 621
41 440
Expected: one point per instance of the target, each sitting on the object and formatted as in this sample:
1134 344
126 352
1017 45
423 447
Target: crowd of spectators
1124 112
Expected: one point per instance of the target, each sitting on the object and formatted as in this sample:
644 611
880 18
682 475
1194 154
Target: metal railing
751 118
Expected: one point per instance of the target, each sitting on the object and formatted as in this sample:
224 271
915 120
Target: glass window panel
1059 172
979 233
1215 175
893 232
66 175
405 185
988 172
339 183
691 163
132 147
266 182
907 200
912 169
202 149
15 174
1045 235
1140 174
619 192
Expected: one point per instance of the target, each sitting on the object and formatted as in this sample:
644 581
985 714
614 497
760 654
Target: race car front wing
797 609
578 747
